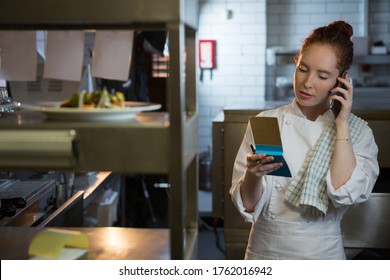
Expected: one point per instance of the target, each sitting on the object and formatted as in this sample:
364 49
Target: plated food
95 99
92 106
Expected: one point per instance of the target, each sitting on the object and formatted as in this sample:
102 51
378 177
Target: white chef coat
281 230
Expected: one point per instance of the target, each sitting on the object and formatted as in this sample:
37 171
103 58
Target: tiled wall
242 77
379 21
239 78
379 30
289 22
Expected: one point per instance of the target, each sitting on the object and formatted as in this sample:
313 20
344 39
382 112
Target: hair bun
336 34
342 27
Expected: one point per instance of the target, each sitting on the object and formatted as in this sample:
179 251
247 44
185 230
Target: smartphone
336 106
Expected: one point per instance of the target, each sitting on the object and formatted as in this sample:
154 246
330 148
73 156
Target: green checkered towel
308 188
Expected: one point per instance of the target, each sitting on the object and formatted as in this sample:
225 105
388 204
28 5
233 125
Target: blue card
267 141
277 153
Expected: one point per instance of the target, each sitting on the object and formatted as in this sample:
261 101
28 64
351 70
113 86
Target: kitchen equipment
6 102
31 200
8 206
62 194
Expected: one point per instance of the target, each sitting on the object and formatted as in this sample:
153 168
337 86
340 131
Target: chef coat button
272 216
278 187
287 122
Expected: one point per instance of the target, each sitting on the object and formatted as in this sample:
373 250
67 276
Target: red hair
338 35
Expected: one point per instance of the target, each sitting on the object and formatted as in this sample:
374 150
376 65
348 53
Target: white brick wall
379 29
240 75
290 21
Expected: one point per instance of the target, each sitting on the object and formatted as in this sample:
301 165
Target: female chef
331 153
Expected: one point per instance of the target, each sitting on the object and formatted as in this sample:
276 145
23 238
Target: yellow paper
58 244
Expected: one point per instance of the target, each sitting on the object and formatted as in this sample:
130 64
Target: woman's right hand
257 165
261 164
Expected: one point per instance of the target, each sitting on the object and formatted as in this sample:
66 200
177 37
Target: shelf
288 58
372 59
141 146
118 147
283 58
155 143
69 14
371 97
371 90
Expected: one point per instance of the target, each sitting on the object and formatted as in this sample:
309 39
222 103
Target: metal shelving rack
166 143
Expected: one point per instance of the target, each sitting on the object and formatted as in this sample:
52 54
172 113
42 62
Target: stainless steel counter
104 243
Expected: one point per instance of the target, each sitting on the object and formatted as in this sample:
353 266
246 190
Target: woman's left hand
343 94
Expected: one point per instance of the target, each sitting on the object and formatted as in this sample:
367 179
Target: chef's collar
327 116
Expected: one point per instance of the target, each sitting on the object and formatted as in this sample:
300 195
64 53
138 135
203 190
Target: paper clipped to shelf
267 139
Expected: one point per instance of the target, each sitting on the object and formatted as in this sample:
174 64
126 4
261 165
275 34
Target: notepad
267 139
58 244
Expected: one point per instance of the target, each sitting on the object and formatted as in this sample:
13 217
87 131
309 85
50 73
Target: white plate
53 111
